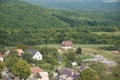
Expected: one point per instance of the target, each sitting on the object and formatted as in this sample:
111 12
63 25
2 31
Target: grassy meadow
107 33
88 48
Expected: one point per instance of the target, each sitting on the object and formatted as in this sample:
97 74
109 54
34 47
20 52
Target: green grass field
107 33
88 48
76 45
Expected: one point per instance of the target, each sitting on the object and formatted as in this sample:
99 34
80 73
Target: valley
59 40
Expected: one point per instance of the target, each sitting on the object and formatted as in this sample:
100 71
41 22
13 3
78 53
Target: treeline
79 35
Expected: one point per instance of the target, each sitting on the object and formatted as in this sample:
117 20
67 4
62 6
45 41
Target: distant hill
22 22
22 14
90 5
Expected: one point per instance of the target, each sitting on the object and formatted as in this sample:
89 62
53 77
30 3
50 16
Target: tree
79 51
10 60
117 45
88 74
2 66
78 59
21 69
116 69
71 55
100 69
28 57
51 59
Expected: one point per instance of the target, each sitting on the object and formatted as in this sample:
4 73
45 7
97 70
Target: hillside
22 14
90 5
24 23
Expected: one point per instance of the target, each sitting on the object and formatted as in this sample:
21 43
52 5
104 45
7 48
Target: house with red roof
20 52
65 45
37 71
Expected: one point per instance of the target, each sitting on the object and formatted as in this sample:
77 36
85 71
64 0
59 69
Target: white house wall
37 56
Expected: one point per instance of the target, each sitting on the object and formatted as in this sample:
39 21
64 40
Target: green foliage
79 51
28 57
116 69
100 69
70 55
88 74
21 68
2 66
10 61
16 36
117 45
78 59
23 23
52 60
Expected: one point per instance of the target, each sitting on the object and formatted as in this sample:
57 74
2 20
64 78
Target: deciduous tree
21 69
88 74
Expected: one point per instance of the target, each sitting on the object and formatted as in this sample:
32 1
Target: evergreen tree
79 51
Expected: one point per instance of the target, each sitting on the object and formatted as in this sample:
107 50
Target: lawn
107 54
107 33
75 45
88 48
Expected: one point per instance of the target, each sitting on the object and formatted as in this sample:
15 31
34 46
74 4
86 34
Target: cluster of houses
35 70
7 75
63 74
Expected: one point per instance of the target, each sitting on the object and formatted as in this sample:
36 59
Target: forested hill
90 5
16 13
21 14
24 23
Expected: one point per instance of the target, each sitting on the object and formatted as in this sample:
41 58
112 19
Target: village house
35 71
19 52
67 74
36 54
7 52
1 57
65 45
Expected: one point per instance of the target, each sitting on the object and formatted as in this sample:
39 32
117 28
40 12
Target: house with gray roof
36 54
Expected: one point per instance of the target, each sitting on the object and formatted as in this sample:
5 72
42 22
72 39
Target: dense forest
21 22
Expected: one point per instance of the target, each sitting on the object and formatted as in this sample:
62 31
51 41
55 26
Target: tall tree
2 66
21 69
10 60
117 45
116 69
100 68
88 74
79 51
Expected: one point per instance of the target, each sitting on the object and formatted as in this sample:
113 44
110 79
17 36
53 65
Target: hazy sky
79 0
111 0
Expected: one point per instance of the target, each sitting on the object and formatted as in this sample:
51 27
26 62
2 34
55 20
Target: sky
111 0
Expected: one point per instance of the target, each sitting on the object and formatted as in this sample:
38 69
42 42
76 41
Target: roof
1 55
69 73
20 51
67 43
35 70
44 74
32 51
